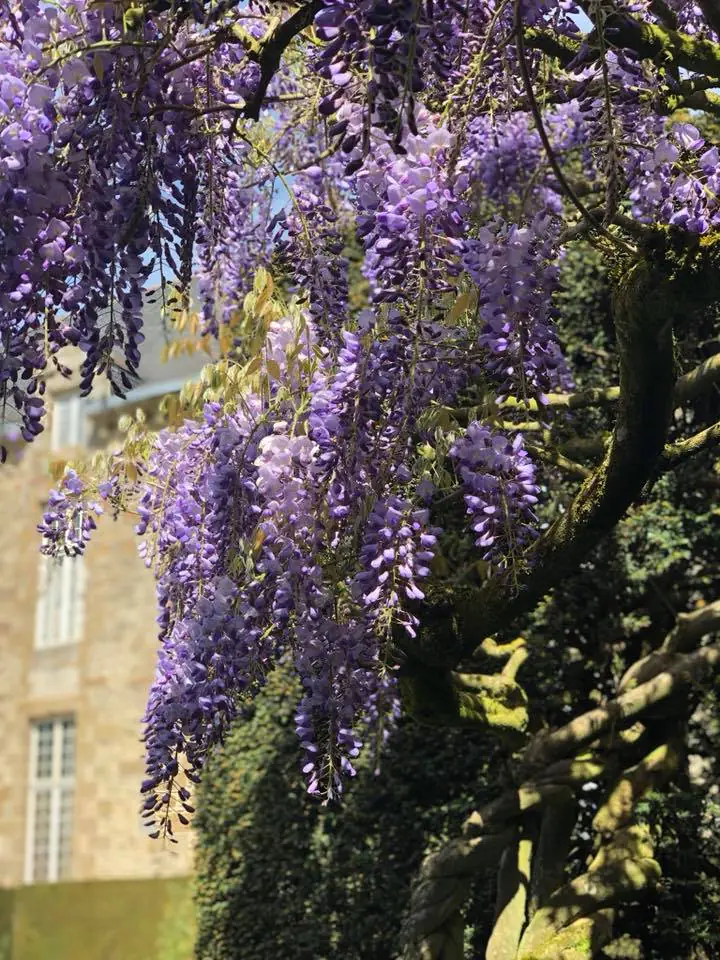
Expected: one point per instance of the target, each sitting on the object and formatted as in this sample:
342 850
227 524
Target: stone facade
101 680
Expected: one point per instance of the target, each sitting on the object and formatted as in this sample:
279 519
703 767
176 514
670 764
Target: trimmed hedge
280 876
99 920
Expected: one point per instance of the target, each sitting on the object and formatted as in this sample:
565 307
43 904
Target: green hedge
6 908
281 877
100 920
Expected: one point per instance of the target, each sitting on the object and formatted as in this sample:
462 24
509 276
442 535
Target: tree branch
683 671
553 849
558 460
692 627
676 453
648 40
440 890
512 897
698 380
689 386
657 767
572 919
271 48
621 871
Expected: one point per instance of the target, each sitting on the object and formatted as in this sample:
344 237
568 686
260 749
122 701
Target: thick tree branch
621 871
698 380
654 769
680 673
648 40
688 387
512 898
440 890
553 848
692 627
676 453
271 48
538 915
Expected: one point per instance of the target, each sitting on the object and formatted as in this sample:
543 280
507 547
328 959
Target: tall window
60 585
68 421
58 617
50 800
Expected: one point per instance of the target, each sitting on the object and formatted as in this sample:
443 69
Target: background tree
383 496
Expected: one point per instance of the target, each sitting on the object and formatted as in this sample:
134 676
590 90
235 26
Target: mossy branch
449 699
676 453
654 769
442 886
540 917
513 895
649 40
553 848
622 871
680 674
691 385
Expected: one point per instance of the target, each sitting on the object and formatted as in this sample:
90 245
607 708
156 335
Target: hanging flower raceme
232 239
516 271
410 218
394 557
201 502
498 477
310 248
337 665
69 520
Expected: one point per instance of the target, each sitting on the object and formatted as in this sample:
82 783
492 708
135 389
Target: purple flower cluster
201 502
410 220
68 522
245 516
232 239
379 54
331 420
310 248
515 271
678 182
500 492
394 556
337 664
503 156
106 178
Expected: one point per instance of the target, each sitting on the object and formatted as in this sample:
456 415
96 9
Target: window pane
65 832
41 847
43 766
67 761
59 602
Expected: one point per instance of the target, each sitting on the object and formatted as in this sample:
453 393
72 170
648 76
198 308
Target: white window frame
60 602
58 785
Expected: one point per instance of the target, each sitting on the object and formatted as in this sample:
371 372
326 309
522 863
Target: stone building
77 653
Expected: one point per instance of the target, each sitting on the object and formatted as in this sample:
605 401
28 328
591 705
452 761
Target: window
68 421
58 617
50 800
